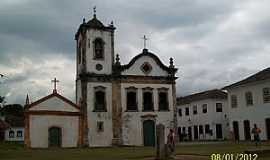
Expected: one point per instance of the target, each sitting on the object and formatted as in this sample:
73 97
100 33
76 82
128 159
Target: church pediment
54 102
147 64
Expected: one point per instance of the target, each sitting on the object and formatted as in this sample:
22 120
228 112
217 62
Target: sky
213 43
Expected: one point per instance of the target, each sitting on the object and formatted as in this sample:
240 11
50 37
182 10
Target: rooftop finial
27 100
95 11
144 41
117 59
171 63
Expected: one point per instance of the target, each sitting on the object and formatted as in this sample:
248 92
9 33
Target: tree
13 109
2 99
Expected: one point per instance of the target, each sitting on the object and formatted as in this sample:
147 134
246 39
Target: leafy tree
13 109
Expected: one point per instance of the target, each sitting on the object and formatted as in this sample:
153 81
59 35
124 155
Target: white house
121 104
11 128
52 121
249 104
203 116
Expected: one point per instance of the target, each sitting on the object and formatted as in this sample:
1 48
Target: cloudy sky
214 43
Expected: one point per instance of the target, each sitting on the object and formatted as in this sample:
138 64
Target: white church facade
121 104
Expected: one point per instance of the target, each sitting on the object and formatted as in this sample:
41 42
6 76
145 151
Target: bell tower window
98 49
100 99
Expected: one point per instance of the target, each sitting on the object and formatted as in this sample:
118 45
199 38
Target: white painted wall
135 69
132 121
92 34
39 128
211 117
255 114
16 137
55 104
99 138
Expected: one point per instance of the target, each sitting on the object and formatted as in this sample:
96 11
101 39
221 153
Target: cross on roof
144 41
94 9
55 81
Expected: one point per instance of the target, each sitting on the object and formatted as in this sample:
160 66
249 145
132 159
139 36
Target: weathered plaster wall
132 121
92 34
40 124
99 138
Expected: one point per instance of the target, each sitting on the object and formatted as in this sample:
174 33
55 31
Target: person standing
256 133
171 142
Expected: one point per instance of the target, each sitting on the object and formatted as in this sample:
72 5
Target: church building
121 103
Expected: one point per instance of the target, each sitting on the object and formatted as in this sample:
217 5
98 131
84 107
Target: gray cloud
214 43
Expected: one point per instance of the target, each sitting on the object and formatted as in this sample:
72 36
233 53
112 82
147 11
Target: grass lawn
14 151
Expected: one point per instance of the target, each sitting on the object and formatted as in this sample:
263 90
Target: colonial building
203 116
121 104
249 104
52 121
15 129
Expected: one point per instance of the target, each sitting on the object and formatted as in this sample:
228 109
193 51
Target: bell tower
95 47
95 59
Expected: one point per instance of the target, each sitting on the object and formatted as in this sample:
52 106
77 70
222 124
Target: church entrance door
55 137
267 122
149 133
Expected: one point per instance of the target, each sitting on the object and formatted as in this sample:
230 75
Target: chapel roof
54 94
210 94
260 76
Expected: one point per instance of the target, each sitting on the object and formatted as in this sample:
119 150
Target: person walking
256 133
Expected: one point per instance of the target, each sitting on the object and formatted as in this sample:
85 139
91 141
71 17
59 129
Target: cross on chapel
144 41
55 81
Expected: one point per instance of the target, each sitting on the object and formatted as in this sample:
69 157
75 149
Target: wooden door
149 133
55 137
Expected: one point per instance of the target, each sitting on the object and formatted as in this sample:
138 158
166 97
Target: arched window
98 49
131 99
19 134
163 99
100 99
11 134
148 99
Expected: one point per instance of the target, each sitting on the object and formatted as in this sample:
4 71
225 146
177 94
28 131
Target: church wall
97 138
211 118
107 62
39 127
133 121
55 104
256 113
135 69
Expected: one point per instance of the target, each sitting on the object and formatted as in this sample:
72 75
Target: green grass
14 151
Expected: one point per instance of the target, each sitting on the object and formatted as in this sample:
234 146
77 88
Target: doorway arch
55 137
149 133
